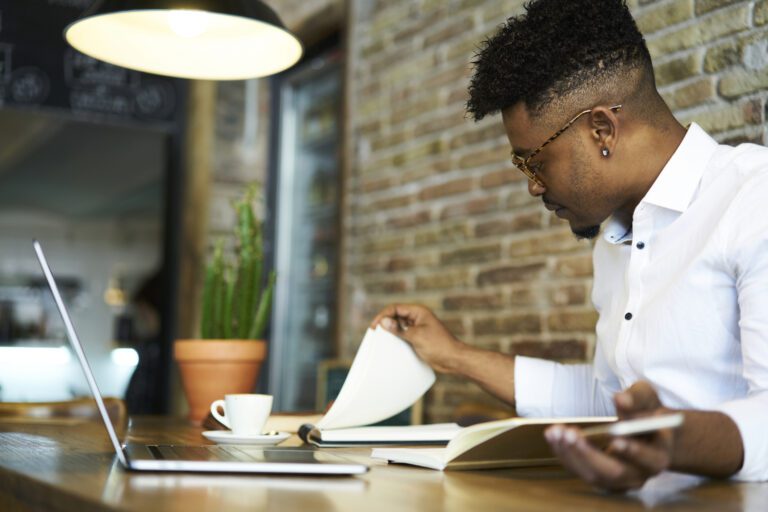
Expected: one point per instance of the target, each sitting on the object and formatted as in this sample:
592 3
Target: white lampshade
199 39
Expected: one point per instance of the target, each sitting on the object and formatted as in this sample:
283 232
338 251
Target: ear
604 129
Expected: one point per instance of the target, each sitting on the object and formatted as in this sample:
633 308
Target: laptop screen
78 348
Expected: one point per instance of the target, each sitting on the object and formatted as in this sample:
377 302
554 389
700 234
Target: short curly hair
552 49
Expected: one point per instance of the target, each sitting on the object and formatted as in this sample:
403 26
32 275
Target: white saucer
227 437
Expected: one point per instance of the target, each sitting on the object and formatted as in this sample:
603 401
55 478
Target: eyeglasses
530 169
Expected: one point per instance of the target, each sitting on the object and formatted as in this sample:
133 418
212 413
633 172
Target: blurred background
376 189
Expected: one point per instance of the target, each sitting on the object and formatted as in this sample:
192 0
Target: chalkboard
331 375
39 69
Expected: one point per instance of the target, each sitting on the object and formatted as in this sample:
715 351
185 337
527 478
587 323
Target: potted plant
237 298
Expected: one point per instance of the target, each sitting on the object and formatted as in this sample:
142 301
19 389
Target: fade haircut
555 49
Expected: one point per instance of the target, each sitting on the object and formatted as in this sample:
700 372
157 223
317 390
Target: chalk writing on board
29 85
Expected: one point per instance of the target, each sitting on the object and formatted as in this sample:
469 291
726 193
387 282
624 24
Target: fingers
400 316
651 458
639 398
589 463
387 312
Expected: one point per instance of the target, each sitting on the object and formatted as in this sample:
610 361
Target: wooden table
70 466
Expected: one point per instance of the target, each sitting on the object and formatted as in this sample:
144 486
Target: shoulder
748 161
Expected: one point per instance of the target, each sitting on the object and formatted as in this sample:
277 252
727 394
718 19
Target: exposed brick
412 110
567 350
515 224
664 15
379 245
389 203
498 178
418 152
471 207
721 23
518 198
761 13
705 6
409 220
740 82
506 325
386 287
695 93
478 135
743 138
480 302
380 142
722 56
450 188
677 70
509 274
526 295
439 124
462 25
443 280
399 263
574 266
480 158
549 243
419 171
568 295
478 254
572 321
442 234
724 118
375 184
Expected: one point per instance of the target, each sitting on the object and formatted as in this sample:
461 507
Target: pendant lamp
198 39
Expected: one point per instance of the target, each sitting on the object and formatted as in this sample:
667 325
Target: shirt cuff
534 380
750 417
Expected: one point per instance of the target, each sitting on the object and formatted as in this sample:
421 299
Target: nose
535 189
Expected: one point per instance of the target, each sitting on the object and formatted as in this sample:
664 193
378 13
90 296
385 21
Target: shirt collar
676 185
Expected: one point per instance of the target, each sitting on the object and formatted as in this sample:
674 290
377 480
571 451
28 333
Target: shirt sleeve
550 389
747 252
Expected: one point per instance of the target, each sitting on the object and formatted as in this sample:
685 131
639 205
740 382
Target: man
681 265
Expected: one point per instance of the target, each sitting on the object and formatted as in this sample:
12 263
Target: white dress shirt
682 297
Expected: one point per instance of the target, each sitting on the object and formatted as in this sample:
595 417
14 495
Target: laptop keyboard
197 453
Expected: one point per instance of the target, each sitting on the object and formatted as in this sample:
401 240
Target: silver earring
604 152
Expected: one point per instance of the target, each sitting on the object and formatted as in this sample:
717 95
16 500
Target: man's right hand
431 340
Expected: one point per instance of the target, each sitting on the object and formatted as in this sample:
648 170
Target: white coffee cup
244 414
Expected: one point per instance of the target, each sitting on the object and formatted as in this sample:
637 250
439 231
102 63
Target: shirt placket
638 261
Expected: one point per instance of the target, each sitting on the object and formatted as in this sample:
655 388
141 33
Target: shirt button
641 245
628 316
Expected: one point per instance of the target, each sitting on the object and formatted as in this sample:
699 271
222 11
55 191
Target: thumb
639 397
389 324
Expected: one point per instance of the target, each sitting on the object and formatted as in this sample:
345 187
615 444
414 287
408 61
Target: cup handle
216 414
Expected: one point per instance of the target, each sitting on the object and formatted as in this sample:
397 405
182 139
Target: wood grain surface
71 467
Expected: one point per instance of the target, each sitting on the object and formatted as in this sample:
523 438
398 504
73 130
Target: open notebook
386 377
513 442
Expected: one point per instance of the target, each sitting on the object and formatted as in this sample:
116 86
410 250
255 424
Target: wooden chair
81 409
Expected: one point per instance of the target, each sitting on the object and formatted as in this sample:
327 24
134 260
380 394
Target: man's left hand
628 462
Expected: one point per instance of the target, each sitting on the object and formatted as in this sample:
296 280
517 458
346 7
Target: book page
386 378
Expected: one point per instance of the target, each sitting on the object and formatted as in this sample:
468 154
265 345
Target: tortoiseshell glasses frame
524 163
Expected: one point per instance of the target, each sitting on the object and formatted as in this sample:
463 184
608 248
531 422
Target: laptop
202 458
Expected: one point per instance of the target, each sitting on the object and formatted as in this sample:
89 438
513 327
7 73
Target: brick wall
434 213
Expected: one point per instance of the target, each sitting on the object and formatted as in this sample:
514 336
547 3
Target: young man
681 262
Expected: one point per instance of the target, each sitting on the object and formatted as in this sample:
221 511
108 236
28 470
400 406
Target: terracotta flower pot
212 368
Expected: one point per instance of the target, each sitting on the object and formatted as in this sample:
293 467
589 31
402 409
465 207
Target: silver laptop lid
78 348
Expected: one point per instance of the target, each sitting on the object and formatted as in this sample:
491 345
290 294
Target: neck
655 147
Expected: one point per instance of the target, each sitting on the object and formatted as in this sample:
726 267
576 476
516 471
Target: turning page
386 378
